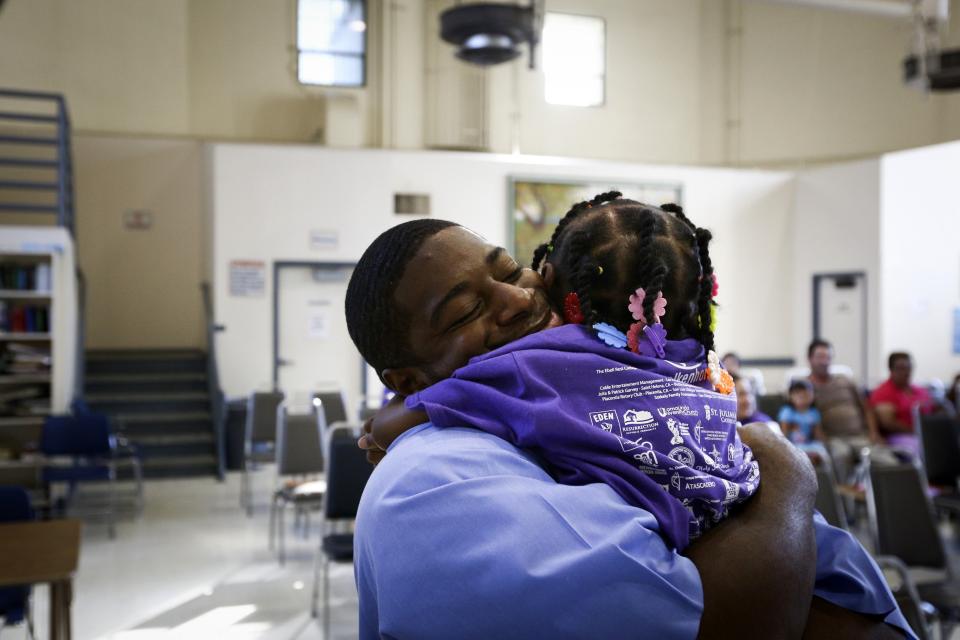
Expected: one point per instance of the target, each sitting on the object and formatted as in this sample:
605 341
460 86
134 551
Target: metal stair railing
59 140
61 185
218 406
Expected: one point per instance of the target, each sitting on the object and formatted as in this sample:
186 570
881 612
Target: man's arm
886 414
758 567
869 416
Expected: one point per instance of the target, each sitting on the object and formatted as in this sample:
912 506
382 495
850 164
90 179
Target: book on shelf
26 277
18 357
20 318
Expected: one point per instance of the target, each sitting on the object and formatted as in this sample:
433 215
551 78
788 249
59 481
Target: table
43 552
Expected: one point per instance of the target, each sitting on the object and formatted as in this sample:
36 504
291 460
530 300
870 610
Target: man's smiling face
463 297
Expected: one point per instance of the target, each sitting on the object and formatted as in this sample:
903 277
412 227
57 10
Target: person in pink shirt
894 402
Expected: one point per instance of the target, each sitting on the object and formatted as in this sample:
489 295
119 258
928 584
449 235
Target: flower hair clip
636 305
644 339
721 378
610 335
572 313
715 285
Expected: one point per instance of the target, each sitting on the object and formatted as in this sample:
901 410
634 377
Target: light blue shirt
462 535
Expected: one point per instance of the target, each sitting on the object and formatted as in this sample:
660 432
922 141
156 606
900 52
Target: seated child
800 420
630 391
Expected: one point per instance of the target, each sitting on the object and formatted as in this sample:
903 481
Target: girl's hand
366 442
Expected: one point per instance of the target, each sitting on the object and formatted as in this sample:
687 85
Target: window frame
365 74
603 76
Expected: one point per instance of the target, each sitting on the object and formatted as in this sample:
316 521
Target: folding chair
15 600
940 453
828 500
347 474
770 404
903 525
258 440
331 411
91 446
299 456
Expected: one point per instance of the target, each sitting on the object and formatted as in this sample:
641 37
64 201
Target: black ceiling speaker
942 70
489 33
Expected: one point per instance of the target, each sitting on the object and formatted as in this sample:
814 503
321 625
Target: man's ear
405 380
548 273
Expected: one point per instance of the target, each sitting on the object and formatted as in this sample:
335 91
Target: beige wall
143 287
121 63
689 81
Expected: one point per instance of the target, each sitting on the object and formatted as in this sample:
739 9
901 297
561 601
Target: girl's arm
392 420
818 433
788 428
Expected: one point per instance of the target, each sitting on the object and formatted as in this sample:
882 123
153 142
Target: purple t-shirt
653 429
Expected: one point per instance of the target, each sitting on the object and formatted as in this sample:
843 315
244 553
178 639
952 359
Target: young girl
800 420
630 391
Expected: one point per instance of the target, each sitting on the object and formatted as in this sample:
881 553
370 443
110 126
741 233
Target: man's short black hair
818 342
896 355
376 325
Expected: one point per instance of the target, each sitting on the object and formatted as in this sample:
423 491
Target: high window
574 59
332 42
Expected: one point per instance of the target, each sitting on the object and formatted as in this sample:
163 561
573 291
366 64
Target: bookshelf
38 323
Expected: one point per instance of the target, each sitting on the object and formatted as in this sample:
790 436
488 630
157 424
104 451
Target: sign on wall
956 331
536 206
248 278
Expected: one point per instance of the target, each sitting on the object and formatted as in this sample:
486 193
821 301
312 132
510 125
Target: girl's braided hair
606 248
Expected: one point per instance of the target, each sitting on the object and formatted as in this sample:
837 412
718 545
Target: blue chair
88 441
15 601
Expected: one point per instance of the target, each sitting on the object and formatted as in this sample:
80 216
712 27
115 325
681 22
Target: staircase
159 400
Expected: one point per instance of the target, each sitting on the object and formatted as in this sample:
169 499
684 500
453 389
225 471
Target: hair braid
585 271
647 232
543 249
705 299
658 275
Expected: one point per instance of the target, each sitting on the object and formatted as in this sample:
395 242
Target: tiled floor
194 566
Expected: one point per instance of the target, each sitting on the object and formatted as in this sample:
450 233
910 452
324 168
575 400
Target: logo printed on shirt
648 457
683 455
733 453
635 417
696 433
733 490
682 410
606 420
678 429
725 415
682 366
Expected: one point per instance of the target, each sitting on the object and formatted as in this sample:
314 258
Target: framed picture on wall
536 205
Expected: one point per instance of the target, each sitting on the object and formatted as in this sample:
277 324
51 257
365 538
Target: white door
314 350
843 320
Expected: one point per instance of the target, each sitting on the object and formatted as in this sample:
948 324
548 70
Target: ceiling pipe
882 8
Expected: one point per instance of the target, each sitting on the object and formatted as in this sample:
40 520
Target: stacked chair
347 472
259 440
299 461
940 451
82 448
903 524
